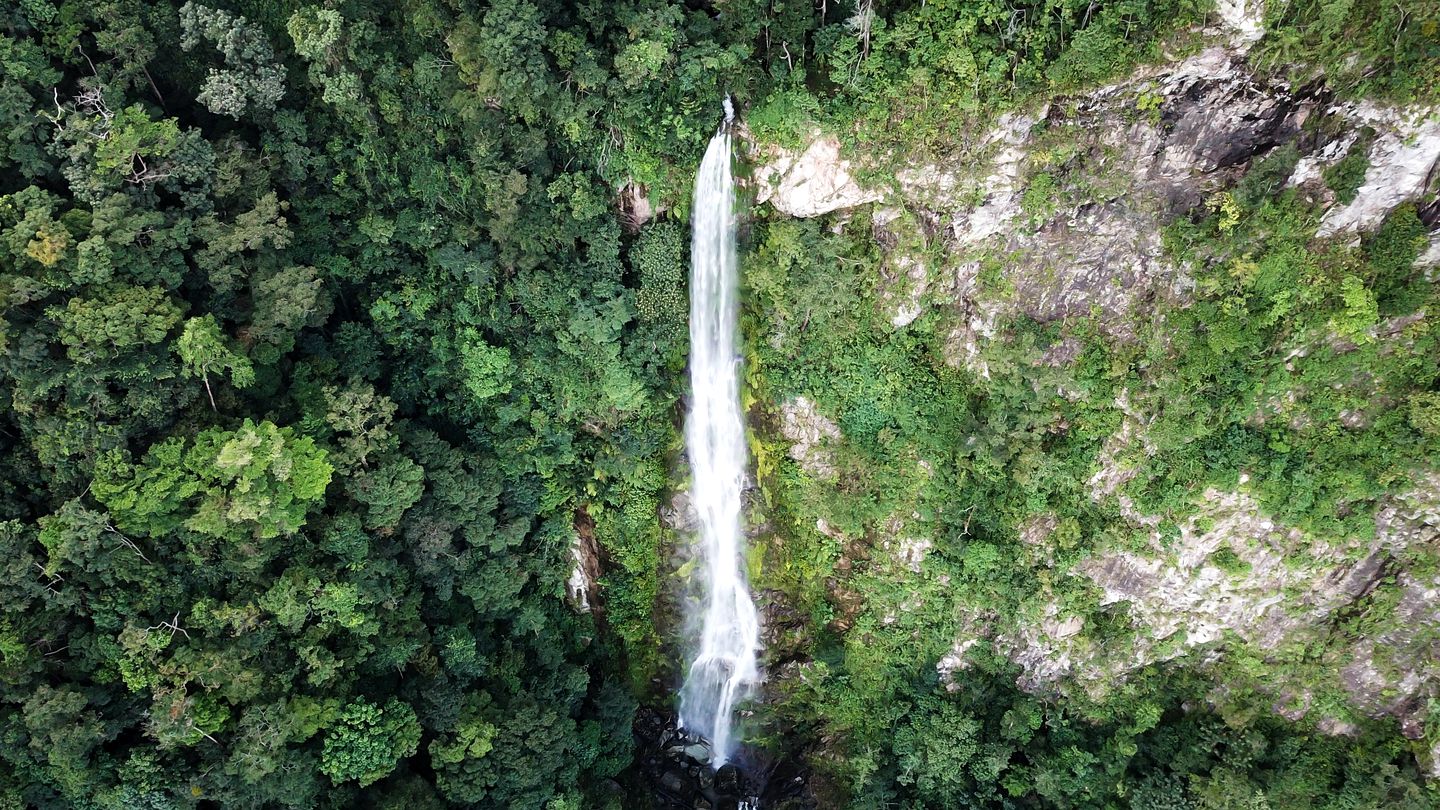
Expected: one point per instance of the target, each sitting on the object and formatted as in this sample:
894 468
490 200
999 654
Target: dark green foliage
1424 412
1267 177
917 75
1228 561
937 752
1226 363
1347 174
659 258
1400 288
1039 201
256 481
251 80
318 332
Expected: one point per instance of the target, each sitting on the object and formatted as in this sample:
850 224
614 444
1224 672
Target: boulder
811 182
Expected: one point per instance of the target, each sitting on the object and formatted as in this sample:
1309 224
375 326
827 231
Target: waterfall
724 665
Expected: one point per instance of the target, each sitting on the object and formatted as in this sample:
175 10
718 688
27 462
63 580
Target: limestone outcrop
1080 236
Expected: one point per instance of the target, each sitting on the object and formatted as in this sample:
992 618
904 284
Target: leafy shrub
1228 561
367 741
785 117
1347 174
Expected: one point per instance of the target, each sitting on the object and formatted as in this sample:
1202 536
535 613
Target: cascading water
724 665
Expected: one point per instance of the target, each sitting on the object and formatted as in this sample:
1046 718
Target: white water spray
724 666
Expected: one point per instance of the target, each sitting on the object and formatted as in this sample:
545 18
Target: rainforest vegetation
322 337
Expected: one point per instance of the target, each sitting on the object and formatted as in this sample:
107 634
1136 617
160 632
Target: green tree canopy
259 479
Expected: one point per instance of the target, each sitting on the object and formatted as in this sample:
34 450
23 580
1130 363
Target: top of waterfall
729 110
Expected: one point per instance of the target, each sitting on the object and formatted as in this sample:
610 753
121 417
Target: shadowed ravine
723 664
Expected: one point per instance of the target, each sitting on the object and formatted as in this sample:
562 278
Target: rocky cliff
1056 214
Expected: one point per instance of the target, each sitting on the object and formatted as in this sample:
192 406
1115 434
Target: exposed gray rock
955 661
1397 671
1002 187
1062 353
1185 590
1403 161
1046 650
823 526
679 515
1102 255
978 322
1037 530
1244 18
1337 728
1112 473
583 585
906 305
813 182
1219 115
1412 517
1098 252
904 272
578 585
1037 537
1279 585
910 548
1310 170
810 434
1429 260
1112 259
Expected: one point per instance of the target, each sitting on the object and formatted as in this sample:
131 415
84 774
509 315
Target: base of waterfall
713 687
677 766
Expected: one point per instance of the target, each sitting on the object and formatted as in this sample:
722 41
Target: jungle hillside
1091 380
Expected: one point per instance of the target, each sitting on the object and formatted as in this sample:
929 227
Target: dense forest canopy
321 338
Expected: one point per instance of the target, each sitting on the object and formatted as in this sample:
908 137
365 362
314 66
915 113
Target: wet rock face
679 514
675 766
583 586
784 630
